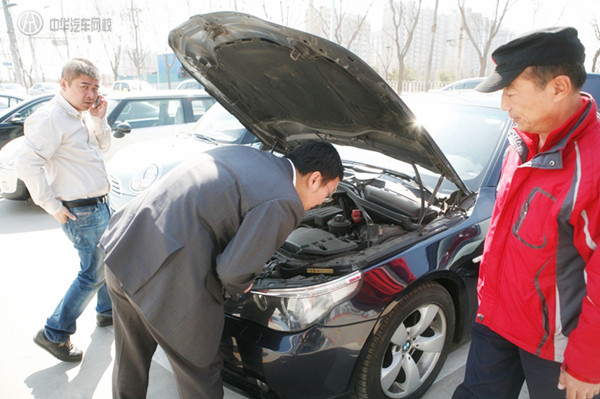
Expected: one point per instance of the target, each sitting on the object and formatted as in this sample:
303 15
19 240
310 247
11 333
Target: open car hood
288 86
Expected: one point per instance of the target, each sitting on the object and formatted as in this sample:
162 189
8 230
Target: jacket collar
63 103
551 158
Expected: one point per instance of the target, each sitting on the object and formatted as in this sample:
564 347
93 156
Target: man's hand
100 109
64 214
577 389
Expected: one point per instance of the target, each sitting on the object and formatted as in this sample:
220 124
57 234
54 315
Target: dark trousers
135 343
496 369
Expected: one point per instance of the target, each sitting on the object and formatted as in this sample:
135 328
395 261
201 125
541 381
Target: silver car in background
133 169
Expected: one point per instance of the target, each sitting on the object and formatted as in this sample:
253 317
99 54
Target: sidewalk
37 265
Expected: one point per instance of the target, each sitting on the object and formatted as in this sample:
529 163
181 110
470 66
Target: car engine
366 210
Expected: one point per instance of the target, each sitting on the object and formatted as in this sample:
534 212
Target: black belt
86 202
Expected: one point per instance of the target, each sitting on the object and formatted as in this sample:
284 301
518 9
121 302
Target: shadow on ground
23 216
53 382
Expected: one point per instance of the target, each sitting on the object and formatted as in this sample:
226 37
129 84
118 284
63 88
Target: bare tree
283 12
168 66
536 6
137 53
340 27
62 14
596 28
481 32
14 49
405 17
385 59
431 45
114 57
112 41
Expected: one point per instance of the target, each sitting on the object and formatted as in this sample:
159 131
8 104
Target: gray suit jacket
209 226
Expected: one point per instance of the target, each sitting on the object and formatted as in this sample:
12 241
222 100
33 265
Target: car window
219 125
200 106
467 135
147 113
7 102
25 112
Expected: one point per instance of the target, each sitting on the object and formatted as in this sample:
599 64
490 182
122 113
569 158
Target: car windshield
218 125
111 105
468 135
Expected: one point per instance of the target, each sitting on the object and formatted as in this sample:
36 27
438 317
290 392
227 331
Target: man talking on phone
63 168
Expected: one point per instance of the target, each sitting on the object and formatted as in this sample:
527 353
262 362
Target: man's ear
561 86
63 84
314 181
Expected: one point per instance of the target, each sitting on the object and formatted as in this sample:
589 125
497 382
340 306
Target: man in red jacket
539 284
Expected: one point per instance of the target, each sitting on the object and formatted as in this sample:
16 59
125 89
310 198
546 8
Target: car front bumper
118 201
316 363
11 187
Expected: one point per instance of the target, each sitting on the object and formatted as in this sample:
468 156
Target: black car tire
403 346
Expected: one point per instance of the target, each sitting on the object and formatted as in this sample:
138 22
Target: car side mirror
16 119
123 128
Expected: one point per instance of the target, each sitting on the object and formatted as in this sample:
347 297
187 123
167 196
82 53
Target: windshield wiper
200 136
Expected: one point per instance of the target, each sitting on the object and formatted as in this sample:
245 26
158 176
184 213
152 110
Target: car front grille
115 186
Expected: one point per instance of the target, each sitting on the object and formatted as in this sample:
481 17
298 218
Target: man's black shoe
64 351
103 321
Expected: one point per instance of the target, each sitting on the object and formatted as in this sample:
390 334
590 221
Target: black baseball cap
552 46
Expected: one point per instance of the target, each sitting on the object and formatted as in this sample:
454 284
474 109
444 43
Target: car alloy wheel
405 355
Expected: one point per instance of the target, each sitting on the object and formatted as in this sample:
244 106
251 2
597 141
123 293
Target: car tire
405 355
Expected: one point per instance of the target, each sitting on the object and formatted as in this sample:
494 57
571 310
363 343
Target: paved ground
37 263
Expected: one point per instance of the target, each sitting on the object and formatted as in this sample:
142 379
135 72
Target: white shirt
61 158
293 172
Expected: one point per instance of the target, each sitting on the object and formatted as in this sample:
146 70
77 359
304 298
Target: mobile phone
97 102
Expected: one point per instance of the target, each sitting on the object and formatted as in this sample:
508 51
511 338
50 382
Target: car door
11 124
154 118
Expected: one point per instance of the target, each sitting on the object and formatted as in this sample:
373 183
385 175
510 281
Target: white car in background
131 85
43 88
137 167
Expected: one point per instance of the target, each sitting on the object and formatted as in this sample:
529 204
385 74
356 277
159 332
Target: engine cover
308 241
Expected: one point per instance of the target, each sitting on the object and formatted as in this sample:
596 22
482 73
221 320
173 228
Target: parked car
367 297
464 84
592 85
44 88
133 117
137 167
189 84
11 121
131 85
13 87
9 99
11 132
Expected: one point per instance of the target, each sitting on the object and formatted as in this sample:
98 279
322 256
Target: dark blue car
592 85
369 294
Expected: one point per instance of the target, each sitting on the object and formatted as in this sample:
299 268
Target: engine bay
366 210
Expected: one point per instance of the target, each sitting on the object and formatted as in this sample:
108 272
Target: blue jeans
85 233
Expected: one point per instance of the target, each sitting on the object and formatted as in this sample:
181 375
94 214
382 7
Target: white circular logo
30 23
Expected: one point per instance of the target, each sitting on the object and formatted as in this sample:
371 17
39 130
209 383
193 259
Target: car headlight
9 154
6 163
145 178
296 309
